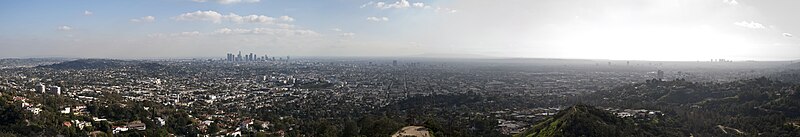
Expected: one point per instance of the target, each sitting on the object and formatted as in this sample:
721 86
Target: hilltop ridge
100 64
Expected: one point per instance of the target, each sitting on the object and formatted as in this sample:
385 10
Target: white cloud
231 31
64 28
267 31
236 1
401 4
347 34
191 33
286 18
282 32
750 24
87 13
144 19
229 1
787 34
378 19
420 5
285 26
730 2
396 5
249 18
367 4
445 10
212 16
336 29
179 34
216 17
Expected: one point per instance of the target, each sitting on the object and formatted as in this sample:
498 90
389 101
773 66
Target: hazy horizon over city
420 56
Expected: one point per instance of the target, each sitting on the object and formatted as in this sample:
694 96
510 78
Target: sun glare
652 43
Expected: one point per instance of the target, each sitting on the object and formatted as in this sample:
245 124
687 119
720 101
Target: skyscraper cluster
250 57
721 60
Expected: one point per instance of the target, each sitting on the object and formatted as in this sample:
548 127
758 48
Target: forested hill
756 106
790 75
102 64
584 120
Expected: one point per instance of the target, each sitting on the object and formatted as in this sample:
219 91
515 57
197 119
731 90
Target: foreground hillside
585 120
750 107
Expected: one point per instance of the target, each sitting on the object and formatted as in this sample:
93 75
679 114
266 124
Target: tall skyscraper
251 57
239 57
394 62
230 57
660 75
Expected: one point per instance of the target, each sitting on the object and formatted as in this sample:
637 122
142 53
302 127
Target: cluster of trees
442 115
16 121
584 120
755 106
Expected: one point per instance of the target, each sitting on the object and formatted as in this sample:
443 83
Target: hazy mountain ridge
101 64
29 62
791 74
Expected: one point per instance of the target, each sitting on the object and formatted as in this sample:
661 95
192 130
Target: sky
661 30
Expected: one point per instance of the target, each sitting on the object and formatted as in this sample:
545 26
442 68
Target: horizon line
413 56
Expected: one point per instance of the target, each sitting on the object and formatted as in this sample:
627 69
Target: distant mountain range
101 64
453 55
29 62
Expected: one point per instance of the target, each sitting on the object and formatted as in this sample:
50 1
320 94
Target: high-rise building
55 90
660 75
230 57
251 57
40 88
394 62
239 57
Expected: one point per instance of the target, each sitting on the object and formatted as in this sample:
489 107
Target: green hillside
583 120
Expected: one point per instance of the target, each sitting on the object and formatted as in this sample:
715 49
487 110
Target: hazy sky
686 30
